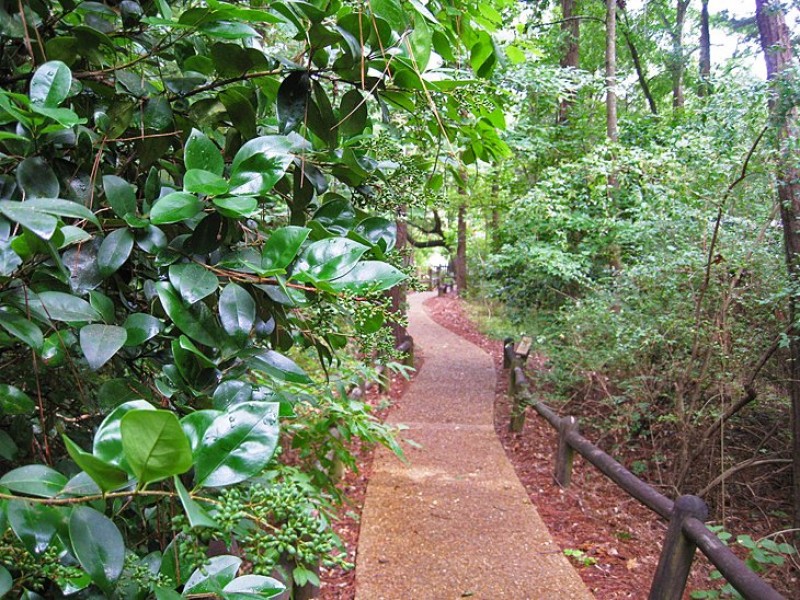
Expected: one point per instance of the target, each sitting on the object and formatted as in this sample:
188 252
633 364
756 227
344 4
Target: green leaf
195 324
62 208
278 366
114 251
202 182
196 424
13 401
34 480
259 165
211 578
328 259
103 305
419 44
107 444
352 113
175 207
141 327
369 276
8 451
336 215
154 445
238 445
58 306
237 310
201 153
50 84
293 95
240 110
42 224
232 392
107 476
120 194
6 582
197 516
193 281
22 329
236 207
282 247
98 546
36 178
101 342
391 11
34 524
381 232
251 587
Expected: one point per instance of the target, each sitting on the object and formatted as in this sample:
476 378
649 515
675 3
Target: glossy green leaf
196 424
36 178
107 444
391 11
40 223
80 485
34 524
50 84
194 323
259 165
103 305
107 476
237 310
201 153
114 251
232 392
251 587
282 247
22 329
62 208
419 43
34 480
6 582
240 110
197 515
236 206
328 259
238 445
206 183
101 342
175 207
379 231
141 327
192 281
98 546
211 578
293 95
120 195
278 366
8 451
337 215
13 401
154 445
369 276
352 113
58 306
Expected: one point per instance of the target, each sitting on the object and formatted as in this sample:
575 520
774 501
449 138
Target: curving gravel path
454 522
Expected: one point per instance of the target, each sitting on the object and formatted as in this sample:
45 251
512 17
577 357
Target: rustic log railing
686 515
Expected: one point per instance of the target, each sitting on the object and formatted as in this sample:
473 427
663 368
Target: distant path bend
455 522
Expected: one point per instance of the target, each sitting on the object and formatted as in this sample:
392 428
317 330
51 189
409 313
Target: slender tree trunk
611 70
778 55
571 29
678 66
461 249
637 65
705 51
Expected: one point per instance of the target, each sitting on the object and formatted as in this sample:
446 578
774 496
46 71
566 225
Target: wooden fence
686 515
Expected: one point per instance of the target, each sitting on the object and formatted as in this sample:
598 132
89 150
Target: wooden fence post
508 342
565 453
678 550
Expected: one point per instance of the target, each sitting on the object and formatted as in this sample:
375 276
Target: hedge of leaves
185 192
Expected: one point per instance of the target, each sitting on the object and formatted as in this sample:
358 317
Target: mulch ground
613 540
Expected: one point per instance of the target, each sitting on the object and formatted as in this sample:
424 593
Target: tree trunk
570 26
705 51
677 54
611 70
777 49
637 65
461 249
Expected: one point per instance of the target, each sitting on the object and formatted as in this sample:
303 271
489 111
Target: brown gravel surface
454 521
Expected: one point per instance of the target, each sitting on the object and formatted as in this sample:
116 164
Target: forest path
454 522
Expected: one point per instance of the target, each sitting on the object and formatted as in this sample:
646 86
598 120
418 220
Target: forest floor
612 539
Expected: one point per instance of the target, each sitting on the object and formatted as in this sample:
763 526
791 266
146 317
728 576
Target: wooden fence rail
687 530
